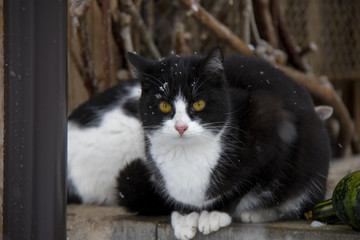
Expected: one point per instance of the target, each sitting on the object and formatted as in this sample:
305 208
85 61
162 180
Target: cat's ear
214 61
138 64
324 112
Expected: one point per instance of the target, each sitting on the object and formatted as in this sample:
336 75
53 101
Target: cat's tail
137 193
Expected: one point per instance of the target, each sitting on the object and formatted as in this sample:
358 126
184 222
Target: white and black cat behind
207 139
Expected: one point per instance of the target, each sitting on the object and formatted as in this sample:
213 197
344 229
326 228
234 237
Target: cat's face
183 98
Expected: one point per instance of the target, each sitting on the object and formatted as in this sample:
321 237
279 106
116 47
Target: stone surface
93 223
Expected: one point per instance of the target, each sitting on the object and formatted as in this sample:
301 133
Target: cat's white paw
212 221
185 226
257 216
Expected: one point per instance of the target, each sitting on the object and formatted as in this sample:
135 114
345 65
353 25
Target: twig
106 22
274 11
89 76
245 16
264 22
125 31
116 30
180 43
216 8
72 56
149 15
311 47
254 29
78 11
287 39
218 28
179 32
263 49
139 23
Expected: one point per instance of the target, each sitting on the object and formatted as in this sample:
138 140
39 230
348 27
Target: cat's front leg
185 226
212 221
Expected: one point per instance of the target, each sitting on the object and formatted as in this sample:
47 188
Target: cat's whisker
203 81
198 87
197 79
158 84
163 86
166 85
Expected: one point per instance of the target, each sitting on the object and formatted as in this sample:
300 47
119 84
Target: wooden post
35 60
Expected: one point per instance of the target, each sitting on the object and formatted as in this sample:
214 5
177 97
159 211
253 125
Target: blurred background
315 42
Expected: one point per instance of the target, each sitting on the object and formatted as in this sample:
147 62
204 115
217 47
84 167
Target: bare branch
88 73
78 11
106 22
287 39
218 28
73 57
264 22
140 25
245 16
125 31
180 42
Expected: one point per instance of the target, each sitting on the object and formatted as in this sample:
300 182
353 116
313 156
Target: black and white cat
206 139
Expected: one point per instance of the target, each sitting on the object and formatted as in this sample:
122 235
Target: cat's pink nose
181 128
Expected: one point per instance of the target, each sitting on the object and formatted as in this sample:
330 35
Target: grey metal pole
35 58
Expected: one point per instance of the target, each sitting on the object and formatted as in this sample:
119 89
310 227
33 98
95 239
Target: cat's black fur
138 193
276 141
89 113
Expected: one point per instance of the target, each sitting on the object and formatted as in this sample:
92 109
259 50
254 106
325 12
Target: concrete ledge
94 223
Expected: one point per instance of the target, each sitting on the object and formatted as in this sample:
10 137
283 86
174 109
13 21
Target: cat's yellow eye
199 105
165 107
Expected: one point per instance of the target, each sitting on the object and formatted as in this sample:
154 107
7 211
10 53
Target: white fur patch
287 132
96 155
273 214
249 201
253 200
212 221
185 161
259 215
250 207
185 226
181 117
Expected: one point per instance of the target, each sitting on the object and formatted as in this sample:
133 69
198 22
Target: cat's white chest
187 169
